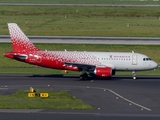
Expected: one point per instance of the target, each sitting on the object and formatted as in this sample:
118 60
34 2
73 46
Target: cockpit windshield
147 59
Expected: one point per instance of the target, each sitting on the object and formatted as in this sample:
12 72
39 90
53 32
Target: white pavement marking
4 88
120 96
142 107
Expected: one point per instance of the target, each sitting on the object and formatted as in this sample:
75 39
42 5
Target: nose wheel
134 75
134 78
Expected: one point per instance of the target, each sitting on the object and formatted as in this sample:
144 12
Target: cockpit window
147 59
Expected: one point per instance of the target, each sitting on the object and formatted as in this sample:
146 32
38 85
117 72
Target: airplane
97 64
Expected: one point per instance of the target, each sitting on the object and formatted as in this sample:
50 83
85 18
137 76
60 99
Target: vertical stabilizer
20 41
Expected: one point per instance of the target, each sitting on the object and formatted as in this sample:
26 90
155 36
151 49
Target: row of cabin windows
113 59
106 58
98 58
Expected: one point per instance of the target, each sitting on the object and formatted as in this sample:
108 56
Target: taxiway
118 98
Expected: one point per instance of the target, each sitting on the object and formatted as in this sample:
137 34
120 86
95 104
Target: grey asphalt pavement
89 40
118 98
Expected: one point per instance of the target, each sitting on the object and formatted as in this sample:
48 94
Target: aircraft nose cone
155 65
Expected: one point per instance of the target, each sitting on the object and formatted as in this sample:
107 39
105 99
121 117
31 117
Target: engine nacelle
103 71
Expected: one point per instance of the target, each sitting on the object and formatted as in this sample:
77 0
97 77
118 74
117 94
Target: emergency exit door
134 59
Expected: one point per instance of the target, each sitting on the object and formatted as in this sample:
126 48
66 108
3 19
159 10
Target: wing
81 66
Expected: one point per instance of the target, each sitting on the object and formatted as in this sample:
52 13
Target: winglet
20 41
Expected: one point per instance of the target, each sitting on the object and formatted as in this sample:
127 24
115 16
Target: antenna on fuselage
132 51
65 50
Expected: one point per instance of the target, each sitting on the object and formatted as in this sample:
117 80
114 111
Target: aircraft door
134 59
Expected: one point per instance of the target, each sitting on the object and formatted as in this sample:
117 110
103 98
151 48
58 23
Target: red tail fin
20 41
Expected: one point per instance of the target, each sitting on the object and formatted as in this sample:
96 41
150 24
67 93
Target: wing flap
81 66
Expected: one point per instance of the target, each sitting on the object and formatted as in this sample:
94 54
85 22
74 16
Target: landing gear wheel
83 76
134 78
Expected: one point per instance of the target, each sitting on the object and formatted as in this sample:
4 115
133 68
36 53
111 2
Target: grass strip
82 20
56 100
88 1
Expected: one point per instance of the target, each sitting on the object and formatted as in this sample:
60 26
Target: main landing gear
134 75
84 76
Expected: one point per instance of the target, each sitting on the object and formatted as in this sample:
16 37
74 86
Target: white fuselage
125 60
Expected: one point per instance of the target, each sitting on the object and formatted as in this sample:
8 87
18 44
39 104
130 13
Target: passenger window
143 59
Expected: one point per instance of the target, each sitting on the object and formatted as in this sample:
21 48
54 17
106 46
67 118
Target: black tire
81 77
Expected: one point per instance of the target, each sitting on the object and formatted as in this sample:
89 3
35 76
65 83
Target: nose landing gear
134 75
